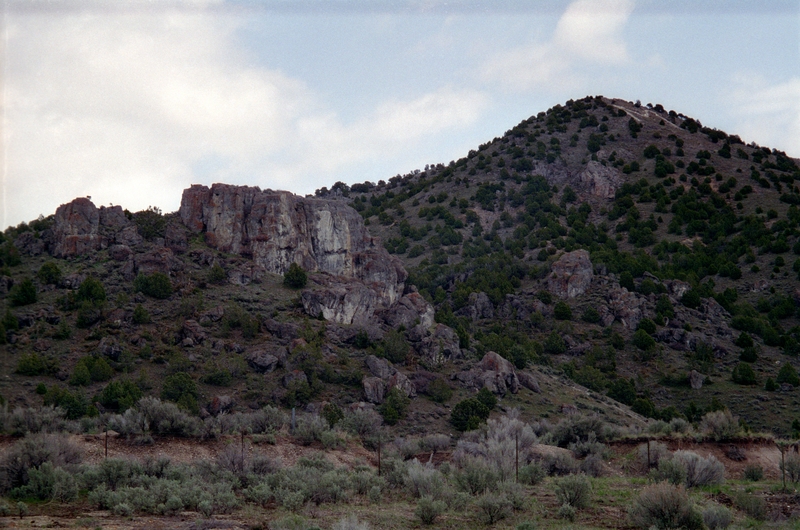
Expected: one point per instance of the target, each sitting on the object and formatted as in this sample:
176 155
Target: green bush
647 325
429 509
753 472
664 506
295 277
140 315
743 374
590 315
468 414
218 377
31 364
643 341
788 374
91 290
394 407
574 490
554 344
150 223
486 397
181 389
23 293
120 395
217 274
156 285
49 273
332 413
562 311
75 404
395 347
691 299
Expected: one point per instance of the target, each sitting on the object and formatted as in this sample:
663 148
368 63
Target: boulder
379 367
175 237
412 309
384 378
342 301
108 347
264 361
492 372
220 404
528 381
374 389
571 274
193 330
439 346
696 380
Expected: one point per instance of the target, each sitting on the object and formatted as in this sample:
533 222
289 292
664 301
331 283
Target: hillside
617 255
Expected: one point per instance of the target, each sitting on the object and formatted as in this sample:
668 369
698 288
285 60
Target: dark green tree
23 293
295 277
788 374
468 414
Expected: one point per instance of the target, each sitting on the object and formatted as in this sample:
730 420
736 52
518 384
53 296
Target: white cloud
767 113
132 106
589 31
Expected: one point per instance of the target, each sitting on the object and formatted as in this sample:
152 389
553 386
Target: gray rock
263 361
278 228
379 367
571 275
528 381
696 380
600 181
439 346
374 389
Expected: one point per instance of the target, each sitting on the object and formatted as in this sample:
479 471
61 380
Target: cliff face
80 227
277 228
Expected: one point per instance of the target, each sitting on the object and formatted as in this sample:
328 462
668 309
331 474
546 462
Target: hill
614 255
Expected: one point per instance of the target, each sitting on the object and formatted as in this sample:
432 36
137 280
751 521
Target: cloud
132 106
767 113
589 31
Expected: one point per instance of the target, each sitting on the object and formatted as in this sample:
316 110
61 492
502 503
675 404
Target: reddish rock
76 228
571 274
600 181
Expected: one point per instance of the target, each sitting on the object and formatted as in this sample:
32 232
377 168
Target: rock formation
80 227
571 274
278 228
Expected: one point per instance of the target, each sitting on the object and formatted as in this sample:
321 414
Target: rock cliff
277 228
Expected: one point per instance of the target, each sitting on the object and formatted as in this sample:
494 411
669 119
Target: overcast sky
131 102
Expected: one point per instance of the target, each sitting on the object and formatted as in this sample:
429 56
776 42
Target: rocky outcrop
627 307
495 373
76 229
600 181
571 274
478 307
80 227
279 228
437 346
384 377
264 360
412 309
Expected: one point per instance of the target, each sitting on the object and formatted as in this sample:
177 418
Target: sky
130 102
